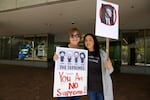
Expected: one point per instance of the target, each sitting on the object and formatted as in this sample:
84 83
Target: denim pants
95 95
68 98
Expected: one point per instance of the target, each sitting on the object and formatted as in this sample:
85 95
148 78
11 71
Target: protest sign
107 19
70 76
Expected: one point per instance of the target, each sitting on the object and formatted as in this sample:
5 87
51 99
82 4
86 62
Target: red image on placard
108 14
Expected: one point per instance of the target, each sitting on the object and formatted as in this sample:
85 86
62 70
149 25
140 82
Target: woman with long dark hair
99 69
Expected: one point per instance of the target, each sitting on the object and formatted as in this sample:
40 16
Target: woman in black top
95 64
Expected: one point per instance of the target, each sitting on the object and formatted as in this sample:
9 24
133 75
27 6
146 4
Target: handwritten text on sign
70 78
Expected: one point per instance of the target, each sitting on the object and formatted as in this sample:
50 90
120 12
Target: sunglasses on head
75 35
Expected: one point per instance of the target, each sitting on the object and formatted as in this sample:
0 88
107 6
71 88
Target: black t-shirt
94 72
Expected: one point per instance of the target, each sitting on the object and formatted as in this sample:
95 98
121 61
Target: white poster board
70 75
107 19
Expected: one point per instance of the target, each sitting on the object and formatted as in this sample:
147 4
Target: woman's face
89 42
74 38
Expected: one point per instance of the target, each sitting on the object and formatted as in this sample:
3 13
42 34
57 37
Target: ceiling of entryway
58 18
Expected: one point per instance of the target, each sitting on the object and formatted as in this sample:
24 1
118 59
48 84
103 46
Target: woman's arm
108 65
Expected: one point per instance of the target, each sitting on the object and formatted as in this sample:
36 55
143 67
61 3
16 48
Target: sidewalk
27 83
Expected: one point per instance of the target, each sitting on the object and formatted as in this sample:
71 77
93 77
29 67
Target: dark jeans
68 98
95 95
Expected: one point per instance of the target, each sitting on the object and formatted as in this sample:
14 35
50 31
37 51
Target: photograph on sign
70 74
106 19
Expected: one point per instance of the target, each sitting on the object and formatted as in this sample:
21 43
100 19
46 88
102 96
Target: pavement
30 83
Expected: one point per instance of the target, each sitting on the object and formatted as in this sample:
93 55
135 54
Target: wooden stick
107 47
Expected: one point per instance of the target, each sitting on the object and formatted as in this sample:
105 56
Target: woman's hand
108 63
55 57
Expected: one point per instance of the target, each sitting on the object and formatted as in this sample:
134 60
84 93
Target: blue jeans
68 98
95 95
